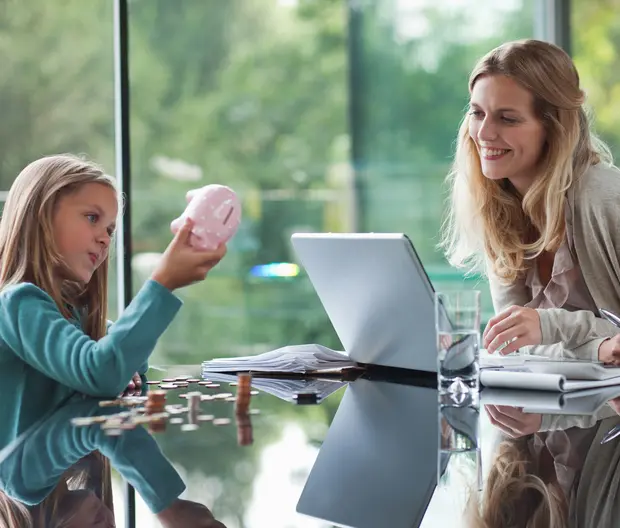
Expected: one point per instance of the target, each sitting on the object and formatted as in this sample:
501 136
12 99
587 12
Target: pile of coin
244 386
156 404
244 429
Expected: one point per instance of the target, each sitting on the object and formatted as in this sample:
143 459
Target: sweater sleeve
34 329
142 369
553 422
571 335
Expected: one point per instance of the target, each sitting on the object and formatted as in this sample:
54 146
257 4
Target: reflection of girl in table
41 468
81 499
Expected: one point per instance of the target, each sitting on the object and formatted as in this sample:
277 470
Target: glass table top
366 454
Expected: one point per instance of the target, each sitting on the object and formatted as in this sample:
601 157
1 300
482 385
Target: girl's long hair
27 248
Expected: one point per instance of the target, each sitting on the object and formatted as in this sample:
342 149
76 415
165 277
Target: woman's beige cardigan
594 212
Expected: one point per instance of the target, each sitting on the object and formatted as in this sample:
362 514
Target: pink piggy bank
216 212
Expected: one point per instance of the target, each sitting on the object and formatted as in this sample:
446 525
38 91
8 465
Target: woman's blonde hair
27 249
489 223
515 496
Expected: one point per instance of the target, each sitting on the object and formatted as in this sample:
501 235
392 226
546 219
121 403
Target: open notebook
300 359
546 374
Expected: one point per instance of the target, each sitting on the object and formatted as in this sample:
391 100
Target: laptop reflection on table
378 463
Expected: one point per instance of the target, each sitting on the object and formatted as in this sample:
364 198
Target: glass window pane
56 87
595 38
411 63
251 95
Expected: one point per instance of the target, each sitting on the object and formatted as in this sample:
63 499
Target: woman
535 205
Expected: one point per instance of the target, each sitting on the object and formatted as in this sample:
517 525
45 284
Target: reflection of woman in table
538 477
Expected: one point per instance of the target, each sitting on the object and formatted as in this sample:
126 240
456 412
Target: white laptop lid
378 464
376 294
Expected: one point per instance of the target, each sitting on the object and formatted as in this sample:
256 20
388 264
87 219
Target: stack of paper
296 359
287 388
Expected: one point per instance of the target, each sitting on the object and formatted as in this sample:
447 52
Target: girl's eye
110 231
92 218
475 113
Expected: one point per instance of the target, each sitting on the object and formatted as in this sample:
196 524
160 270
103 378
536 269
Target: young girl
535 205
55 233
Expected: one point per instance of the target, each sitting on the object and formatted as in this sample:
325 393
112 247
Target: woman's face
508 135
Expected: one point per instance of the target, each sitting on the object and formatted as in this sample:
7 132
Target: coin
212 385
176 421
153 382
109 403
113 432
223 395
221 421
175 409
182 378
231 399
189 427
205 382
168 386
205 417
254 392
168 380
83 422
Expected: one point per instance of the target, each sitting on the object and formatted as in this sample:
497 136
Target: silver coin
189 427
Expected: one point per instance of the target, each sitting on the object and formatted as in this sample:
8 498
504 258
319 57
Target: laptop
378 464
377 296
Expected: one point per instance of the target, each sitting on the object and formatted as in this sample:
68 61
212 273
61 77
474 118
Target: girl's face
508 135
83 223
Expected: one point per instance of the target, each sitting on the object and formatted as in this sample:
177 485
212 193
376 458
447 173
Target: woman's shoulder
601 182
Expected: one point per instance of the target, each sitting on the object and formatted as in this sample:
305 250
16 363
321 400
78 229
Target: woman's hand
513 421
609 351
508 331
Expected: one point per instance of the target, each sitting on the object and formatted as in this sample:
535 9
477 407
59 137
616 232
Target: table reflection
548 469
546 461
